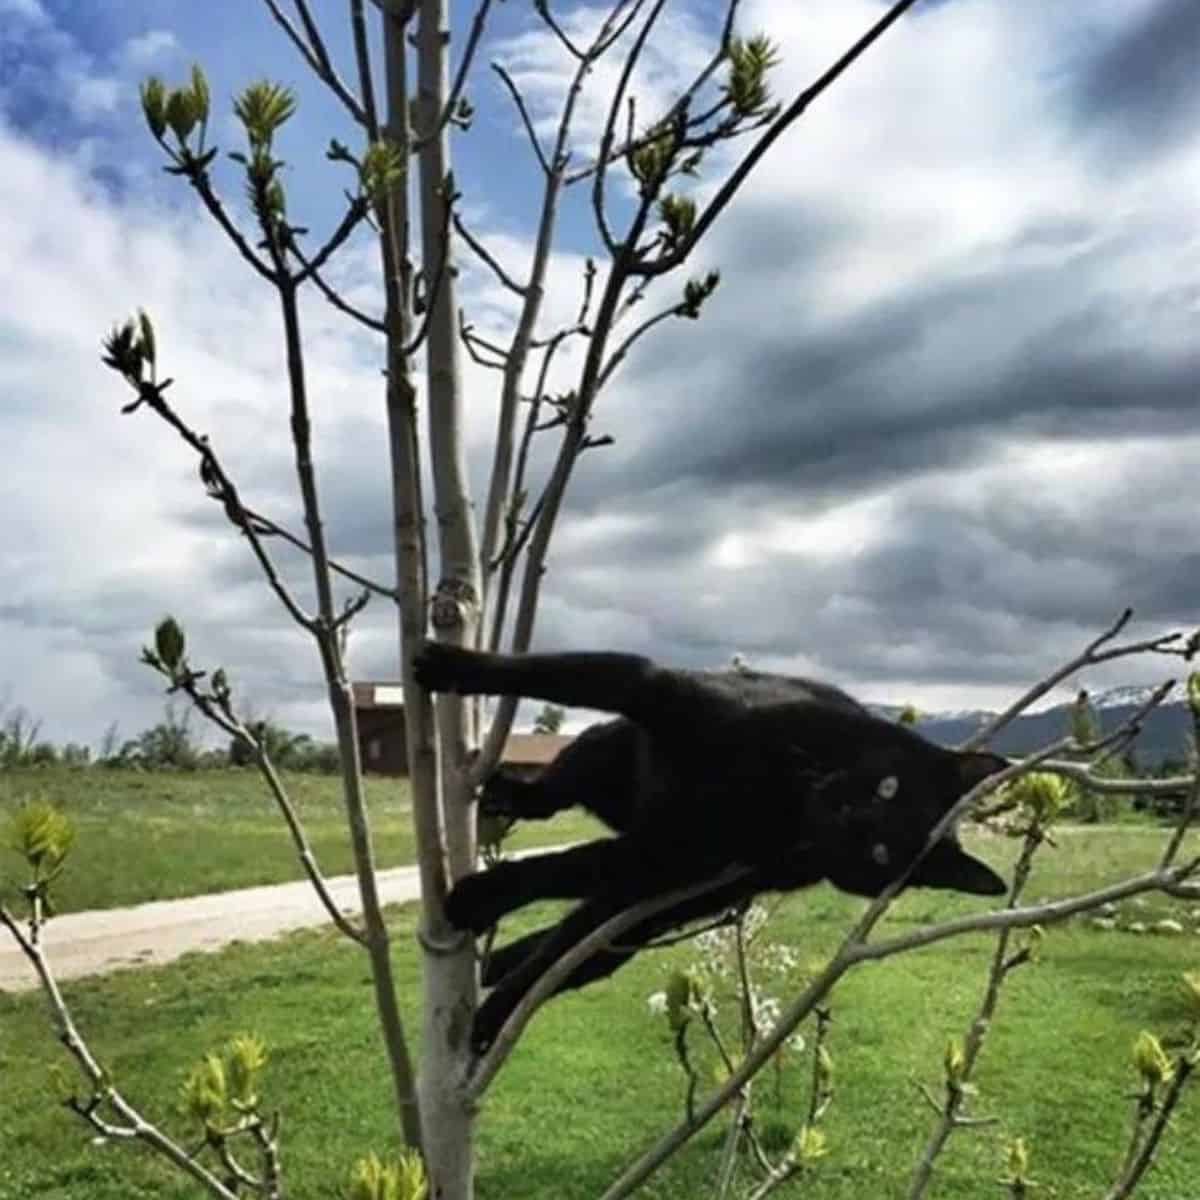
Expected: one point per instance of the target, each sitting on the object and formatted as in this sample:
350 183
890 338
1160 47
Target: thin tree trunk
377 939
450 972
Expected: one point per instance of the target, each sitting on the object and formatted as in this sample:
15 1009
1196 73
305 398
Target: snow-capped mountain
1166 732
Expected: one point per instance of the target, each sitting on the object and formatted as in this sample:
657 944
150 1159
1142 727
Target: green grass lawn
595 1080
156 835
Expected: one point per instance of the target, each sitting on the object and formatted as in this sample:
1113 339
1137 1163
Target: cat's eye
879 853
889 785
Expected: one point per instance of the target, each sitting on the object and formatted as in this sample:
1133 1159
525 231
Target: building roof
521 749
533 749
388 694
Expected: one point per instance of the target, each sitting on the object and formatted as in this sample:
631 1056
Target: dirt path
90 943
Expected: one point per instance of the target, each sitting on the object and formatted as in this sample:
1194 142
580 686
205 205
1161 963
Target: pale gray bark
450 977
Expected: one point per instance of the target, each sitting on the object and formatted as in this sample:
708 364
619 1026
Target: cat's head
879 813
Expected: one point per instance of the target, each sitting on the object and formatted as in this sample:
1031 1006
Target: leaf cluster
403 1178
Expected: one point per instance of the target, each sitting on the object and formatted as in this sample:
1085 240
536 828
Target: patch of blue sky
69 75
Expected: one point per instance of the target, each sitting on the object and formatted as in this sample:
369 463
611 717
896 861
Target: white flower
657 1003
766 1011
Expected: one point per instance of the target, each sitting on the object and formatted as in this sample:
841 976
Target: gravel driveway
90 943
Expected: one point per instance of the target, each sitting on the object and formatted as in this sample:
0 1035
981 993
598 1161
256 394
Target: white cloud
940 168
150 48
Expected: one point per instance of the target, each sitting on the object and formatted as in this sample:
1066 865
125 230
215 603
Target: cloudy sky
937 427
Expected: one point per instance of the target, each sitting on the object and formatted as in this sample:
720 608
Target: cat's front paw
474 902
442 668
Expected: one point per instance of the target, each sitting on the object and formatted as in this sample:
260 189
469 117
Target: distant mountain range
1166 732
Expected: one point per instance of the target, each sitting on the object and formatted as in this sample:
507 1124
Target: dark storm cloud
833 412
1142 92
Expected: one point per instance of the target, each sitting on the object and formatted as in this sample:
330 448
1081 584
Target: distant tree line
169 744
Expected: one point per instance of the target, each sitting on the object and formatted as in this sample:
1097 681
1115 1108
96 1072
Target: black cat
791 779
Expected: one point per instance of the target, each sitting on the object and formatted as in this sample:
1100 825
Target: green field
158 835
595 1078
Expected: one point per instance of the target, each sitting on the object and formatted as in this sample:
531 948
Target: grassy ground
159 835
595 1077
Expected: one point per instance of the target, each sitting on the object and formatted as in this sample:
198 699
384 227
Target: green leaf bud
246 1057
680 990
810 1145
154 105
749 62
1150 1059
1191 992
955 1062
201 96
182 113
262 108
41 834
206 1091
169 643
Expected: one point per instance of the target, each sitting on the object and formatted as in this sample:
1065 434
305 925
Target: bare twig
505 496
200 181
334 297
526 120
313 52
774 131
355 213
222 488
440 276
362 57
486 255
682 104
1090 655
618 355
485 1067
134 1124
222 715
950 1112
1142 1148
610 125
474 343
542 8
478 24
849 956
1191 807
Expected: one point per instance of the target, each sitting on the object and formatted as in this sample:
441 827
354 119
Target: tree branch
334 297
362 57
484 1069
618 355
315 55
781 123
542 8
1090 655
221 714
486 255
606 140
357 211
135 1125
478 23
220 487
526 120
681 104
198 178
1143 1156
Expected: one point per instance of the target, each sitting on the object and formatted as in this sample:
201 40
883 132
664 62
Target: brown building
379 708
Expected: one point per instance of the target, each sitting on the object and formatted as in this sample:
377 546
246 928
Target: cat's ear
975 767
950 867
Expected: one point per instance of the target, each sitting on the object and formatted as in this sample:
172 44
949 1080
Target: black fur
789 778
